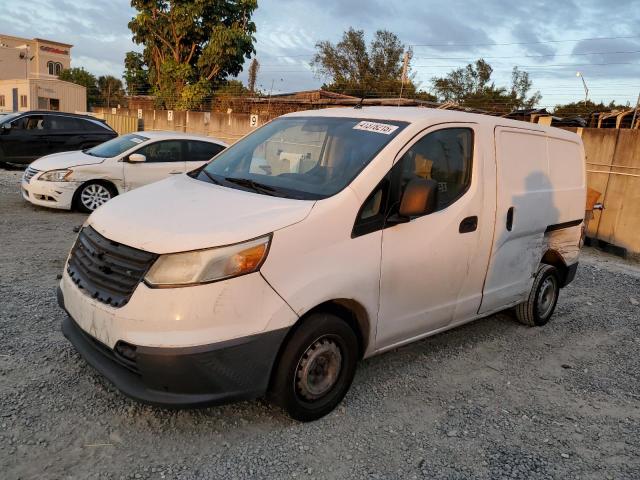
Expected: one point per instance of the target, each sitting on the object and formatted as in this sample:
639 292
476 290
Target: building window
23 101
54 68
1 100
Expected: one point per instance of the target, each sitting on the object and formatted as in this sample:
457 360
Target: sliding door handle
469 224
510 218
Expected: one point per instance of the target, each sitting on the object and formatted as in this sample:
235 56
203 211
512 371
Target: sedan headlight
202 266
55 175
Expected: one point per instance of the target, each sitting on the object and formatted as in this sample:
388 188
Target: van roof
428 116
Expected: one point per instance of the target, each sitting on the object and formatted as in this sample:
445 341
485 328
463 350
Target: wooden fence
120 123
613 169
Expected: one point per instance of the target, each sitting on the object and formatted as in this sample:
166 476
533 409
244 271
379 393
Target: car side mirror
137 158
6 127
420 197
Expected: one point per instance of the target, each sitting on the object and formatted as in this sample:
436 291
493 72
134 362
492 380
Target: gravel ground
492 399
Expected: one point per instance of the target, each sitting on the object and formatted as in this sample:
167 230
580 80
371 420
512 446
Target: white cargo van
319 239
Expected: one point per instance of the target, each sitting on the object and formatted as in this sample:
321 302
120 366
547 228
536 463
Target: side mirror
137 158
6 127
420 197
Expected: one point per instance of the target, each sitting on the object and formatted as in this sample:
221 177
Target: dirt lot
492 399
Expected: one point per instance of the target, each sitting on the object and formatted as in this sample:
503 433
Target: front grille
106 270
29 174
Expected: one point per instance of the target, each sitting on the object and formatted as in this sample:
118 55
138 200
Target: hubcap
318 369
94 195
547 296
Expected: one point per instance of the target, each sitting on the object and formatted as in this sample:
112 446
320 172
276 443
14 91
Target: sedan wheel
92 196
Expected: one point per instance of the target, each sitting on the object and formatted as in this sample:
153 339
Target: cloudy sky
549 39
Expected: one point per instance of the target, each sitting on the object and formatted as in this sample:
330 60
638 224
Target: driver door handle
469 224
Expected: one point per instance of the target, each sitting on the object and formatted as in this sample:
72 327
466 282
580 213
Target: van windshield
116 146
301 157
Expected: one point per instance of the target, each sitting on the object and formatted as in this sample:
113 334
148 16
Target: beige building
29 70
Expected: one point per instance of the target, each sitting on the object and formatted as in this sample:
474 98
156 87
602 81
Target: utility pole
586 89
405 71
635 113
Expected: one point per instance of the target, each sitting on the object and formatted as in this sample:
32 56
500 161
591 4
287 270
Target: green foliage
136 75
471 86
191 46
584 110
352 69
110 91
80 76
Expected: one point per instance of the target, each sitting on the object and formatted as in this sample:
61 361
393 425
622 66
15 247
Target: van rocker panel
186 377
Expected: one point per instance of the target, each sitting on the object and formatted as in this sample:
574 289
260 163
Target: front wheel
92 195
316 367
539 307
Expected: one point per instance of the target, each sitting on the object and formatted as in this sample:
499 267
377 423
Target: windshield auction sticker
384 128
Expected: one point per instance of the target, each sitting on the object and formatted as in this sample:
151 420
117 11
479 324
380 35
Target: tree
110 91
80 76
471 86
584 109
136 75
190 46
254 67
353 69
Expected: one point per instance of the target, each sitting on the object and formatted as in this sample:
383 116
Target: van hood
58 161
181 213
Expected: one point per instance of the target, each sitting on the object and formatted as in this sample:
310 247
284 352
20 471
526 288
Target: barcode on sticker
376 127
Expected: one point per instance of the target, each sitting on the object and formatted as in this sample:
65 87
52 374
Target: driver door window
162 152
444 156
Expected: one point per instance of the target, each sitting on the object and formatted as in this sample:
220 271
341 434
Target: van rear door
525 207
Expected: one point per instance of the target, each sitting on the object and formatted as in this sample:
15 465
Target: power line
521 43
533 56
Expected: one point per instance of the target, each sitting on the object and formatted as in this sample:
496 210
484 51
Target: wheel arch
554 258
107 183
349 310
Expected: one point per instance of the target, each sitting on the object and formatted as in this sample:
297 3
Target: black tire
540 305
108 192
305 382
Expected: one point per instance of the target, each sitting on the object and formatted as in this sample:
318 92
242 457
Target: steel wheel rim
547 296
94 195
318 369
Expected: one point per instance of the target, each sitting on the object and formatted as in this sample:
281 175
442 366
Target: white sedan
86 179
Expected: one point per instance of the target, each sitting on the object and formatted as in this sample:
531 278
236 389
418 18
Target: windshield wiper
255 186
211 177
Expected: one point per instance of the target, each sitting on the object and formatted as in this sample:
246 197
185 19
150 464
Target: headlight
202 266
55 175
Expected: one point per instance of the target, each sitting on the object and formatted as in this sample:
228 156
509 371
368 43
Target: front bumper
186 376
49 194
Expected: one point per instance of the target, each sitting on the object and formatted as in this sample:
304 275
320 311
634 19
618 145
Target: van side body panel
541 186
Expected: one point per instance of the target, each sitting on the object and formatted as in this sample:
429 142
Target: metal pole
635 112
269 100
405 69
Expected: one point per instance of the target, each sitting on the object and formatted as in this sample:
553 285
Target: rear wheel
316 367
539 307
92 195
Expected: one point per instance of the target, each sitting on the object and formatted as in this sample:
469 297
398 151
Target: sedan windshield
301 157
118 145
